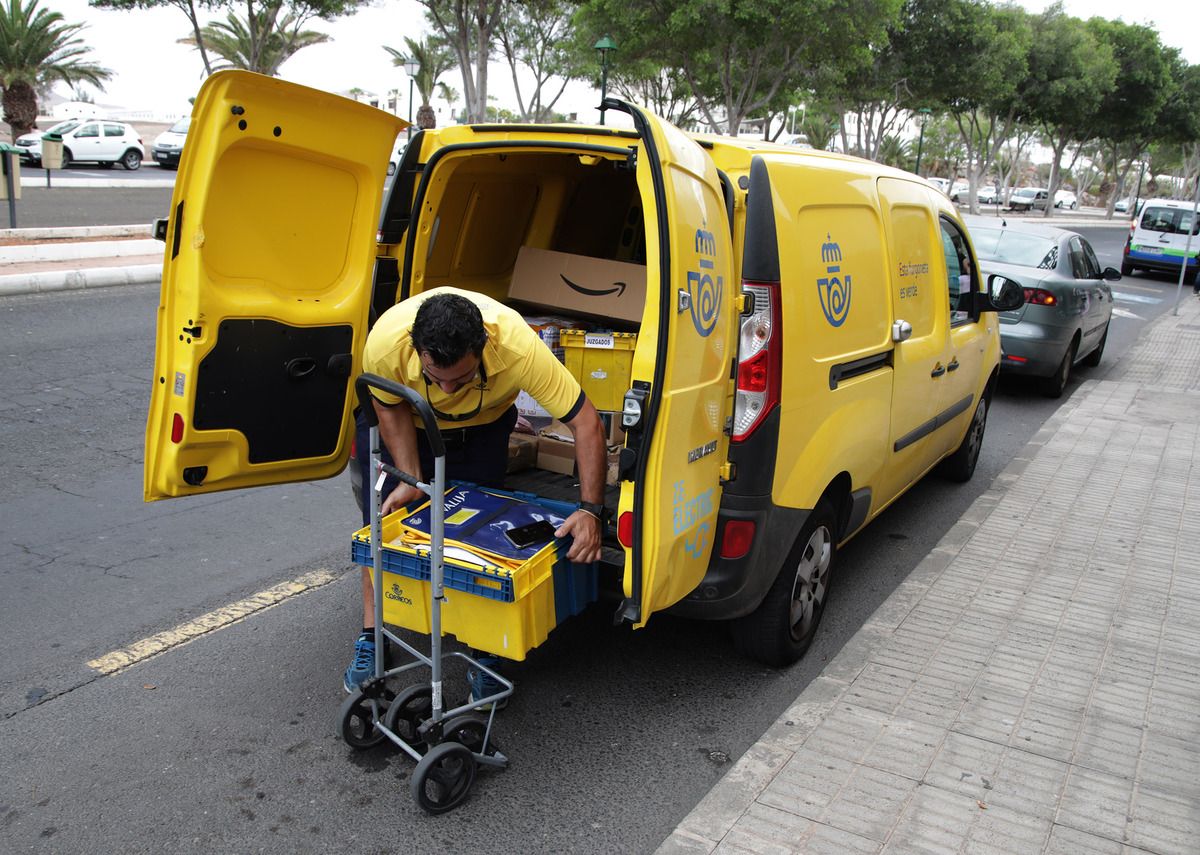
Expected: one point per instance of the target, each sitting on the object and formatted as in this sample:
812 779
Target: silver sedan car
1068 302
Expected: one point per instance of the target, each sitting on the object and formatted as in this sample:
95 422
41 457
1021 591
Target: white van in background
1158 239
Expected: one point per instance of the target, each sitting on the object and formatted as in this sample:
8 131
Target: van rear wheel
781 629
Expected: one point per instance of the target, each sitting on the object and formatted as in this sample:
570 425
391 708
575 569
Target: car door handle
938 370
953 366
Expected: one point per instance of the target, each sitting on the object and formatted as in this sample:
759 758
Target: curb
62 233
72 280
71 251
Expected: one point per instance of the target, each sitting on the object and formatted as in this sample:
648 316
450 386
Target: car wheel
782 627
960 465
1074 205
131 160
66 158
1058 204
1093 358
1054 385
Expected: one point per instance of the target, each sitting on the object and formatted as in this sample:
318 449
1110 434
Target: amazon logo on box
560 280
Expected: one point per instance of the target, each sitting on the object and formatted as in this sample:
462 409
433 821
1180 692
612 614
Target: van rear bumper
734 587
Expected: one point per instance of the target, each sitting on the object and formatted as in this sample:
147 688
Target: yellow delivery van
806 340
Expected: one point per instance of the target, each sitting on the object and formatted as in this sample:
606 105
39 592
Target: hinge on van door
631 159
728 472
684 300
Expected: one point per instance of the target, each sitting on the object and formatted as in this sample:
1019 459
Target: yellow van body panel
272 229
678 494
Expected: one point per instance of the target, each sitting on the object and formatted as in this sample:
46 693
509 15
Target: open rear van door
677 412
266 283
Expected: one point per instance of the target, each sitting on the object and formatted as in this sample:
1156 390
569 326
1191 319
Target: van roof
1167 203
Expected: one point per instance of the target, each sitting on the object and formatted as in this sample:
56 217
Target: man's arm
399 434
590 458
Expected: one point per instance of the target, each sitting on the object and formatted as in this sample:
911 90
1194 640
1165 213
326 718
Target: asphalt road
227 743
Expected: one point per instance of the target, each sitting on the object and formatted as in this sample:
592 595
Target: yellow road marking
214 620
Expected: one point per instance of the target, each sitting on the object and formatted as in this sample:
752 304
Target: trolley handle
366 382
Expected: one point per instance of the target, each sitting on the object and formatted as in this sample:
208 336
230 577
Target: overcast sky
152 72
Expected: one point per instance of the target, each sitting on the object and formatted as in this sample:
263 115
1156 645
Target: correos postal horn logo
703 288
833 291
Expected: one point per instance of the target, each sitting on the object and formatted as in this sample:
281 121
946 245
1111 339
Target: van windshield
1015 248
1170 221
181 127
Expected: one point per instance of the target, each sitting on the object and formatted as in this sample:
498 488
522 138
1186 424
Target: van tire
960 465
781 629
1127 268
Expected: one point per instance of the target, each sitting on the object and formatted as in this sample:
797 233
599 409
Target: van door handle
938 370
953 366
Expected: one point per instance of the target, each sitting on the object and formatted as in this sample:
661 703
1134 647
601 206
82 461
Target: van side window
961 276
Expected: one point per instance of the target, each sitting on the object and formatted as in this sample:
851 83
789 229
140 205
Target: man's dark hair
448 327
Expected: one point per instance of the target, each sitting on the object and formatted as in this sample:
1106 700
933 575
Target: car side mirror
1111 274
1003 295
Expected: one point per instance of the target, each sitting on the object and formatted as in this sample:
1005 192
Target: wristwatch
595 509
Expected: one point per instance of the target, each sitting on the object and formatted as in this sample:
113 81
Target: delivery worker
470 356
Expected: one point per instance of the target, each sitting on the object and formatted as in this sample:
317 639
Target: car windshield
1171 221
181 127
63 127
1016 248
1025 192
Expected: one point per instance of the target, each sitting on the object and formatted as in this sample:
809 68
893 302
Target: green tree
469 28
537 35
38 49
260 42
433 60
665 91
738 56
966 58
1070 74
188 7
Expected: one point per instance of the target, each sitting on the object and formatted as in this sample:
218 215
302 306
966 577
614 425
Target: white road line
1125 313
218 619
1122 297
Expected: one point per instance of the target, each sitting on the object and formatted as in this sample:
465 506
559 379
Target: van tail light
1132 226
760 360
177 429
737 538
625 529
1040 297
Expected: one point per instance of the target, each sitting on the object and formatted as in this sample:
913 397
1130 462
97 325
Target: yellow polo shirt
514 358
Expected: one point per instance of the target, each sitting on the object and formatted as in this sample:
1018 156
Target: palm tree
261 42
37 50
433 59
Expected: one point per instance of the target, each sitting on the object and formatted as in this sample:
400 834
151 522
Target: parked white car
101 141
168 147
1065 199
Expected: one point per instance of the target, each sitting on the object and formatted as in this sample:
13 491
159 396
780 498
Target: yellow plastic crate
505 612
602 363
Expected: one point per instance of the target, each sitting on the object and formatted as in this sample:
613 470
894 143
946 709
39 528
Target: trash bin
52 151
10 162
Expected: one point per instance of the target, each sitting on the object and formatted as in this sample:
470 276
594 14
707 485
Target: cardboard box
556 455
522 452
577 283
614 460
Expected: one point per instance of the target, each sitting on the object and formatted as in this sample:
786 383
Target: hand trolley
448 745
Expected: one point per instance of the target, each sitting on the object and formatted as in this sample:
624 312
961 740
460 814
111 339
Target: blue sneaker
483 684
363 666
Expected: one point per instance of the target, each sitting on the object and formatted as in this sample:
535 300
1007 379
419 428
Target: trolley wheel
469 730
411 707
443 777
356 722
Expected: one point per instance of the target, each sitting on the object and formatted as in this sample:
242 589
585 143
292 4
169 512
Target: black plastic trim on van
532 128
933 424
860 505
754 459
734 587
427 170
397 210
760 253
383 287
858 367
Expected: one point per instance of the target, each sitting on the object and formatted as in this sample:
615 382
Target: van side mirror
1111 274
1003 295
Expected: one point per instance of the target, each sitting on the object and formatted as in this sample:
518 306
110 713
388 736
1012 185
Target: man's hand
585 528
401 496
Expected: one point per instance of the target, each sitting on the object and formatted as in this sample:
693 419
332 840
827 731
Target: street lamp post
606 46
411 67
922 118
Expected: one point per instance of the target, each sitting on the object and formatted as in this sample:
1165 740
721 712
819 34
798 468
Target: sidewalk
35 260
1034 685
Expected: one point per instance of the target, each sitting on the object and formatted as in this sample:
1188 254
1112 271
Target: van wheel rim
975 439
812 582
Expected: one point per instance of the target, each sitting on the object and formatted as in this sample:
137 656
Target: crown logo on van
703 289
834 293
